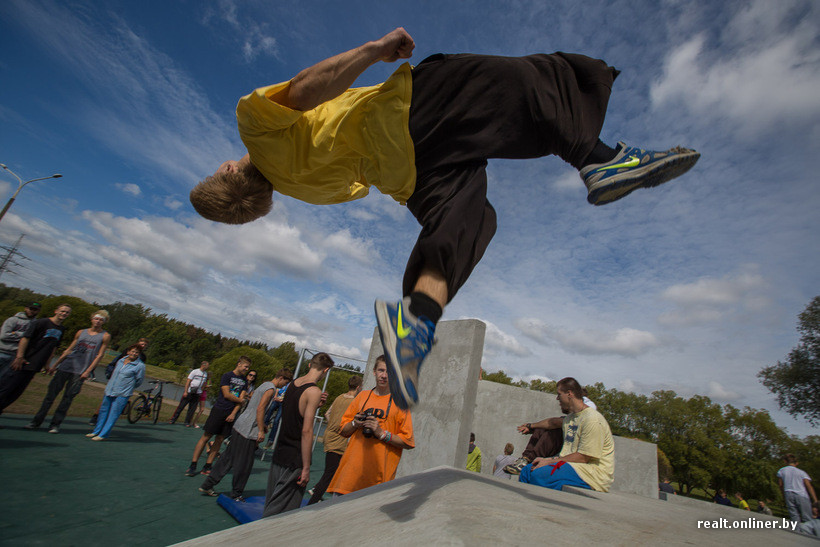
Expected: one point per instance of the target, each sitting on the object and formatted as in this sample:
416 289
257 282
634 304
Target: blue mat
245 511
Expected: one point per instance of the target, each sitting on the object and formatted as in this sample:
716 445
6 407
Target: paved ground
127 490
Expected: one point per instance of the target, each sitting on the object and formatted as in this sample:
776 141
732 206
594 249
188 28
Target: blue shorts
553 476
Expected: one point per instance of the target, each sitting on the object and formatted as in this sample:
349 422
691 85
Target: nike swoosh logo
632 161
401 330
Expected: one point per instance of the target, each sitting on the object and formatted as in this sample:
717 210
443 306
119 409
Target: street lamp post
20 187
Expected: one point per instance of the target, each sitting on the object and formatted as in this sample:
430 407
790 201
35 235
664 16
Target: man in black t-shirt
232 390
35 350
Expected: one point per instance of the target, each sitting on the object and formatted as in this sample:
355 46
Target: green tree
498 377
796 382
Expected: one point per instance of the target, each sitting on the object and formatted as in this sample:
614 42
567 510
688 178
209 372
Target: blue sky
694 286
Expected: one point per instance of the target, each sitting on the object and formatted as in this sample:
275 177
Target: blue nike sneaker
407 340
634 168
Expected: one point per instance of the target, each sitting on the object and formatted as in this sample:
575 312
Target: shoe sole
652 175
395 379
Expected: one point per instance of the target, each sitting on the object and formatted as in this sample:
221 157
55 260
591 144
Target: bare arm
332 77
232 416
546 423
391 438
19 361
68 350
312 396
575 457
260 413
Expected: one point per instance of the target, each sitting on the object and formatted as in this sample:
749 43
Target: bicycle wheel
138 409
157 406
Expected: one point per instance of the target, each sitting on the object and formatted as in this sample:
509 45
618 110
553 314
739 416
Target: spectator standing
109 370
503 460
35 350
473 456
128 375
290 467
12 331
334 443
797 489
763 508
194 386
248 432
73 368
741 503
232 388
379 432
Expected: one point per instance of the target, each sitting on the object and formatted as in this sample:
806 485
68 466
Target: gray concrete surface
446 506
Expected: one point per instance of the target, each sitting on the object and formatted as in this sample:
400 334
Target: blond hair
233 198
101 313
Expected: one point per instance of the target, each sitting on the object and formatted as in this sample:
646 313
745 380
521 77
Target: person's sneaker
90 435
634 168
54 429
240 499
208 492
516 467
192 472
93 420
97 438
407 340
31 425
206 470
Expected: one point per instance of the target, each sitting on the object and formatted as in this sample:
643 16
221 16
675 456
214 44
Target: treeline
702 445
174 345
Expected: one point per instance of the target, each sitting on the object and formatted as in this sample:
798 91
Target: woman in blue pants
128 374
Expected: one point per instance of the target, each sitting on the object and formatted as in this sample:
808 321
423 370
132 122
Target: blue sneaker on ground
634 168
407 340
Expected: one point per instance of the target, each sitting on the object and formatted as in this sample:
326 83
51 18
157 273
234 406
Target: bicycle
146 403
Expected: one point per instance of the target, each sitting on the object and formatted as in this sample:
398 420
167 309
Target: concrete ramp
447 506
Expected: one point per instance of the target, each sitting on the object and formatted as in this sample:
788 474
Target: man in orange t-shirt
378 431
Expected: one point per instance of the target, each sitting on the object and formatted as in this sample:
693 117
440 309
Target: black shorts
217 423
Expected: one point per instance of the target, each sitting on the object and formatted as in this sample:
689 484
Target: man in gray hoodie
11 332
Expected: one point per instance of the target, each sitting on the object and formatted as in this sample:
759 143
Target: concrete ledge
446 506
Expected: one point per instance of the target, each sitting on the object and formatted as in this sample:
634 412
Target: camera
367 432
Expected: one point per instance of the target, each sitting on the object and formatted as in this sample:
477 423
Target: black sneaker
206 470
93 420
516 467
208 492
31 425
191 471
240 499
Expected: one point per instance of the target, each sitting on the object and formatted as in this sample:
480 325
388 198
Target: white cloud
172 203
720 393
708 300
129 188
625 341
763 75
497 342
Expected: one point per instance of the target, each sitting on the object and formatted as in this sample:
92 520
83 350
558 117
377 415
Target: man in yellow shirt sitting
424 137
587 459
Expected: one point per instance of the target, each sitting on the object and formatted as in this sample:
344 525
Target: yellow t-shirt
588 433
333 153
369 461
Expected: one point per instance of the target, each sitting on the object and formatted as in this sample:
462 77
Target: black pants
544 443
192 401
14 384
283 492
332 460
72 383
466 109
238 459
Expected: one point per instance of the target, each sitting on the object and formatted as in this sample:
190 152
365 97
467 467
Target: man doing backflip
424 137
